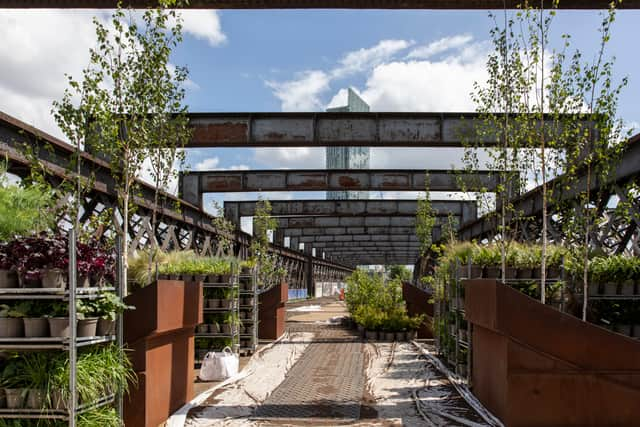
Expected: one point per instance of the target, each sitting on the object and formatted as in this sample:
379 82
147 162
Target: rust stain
349 182
220 132
223 184
394 181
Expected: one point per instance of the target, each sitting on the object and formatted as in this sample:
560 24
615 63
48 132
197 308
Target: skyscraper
348 157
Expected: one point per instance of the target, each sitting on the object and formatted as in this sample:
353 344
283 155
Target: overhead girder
346 129
194 184
315 4
387 245
359 238
466 210
346 221
348 231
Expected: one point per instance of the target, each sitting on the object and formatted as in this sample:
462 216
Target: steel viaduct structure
337 232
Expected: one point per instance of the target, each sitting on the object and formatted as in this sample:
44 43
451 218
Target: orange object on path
342 294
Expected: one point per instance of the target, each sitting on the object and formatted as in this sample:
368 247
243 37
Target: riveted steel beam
347 231
346 221
194 184
466 210
314 4
240 130
358 238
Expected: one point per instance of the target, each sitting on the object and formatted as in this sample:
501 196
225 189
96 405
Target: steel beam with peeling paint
466 210
194 184
359 238
347 231
346 221
316 4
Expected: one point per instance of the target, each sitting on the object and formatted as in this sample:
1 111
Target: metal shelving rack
69 344
235 308
250 279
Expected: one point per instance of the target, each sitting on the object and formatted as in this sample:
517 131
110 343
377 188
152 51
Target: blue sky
299 61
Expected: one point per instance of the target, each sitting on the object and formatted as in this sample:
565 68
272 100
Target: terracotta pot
59 326
15 397
106 327
371 335
24 283
401 336
524 273
8 279
389 336
37 327
54 278
11 327
35 398
202 329
87 327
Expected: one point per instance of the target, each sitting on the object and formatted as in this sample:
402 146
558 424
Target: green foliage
615 268
425 220
25 210
269 273
400 272
109 306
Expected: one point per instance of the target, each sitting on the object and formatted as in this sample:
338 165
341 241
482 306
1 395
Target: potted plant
36 324
87 318
202 328
489 258
59 319
227 300
11 324
13 382
107 308
8 275
211 298
36 367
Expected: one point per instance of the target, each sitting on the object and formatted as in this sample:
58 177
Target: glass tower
348 157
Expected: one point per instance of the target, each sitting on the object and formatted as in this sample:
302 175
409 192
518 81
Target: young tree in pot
11 324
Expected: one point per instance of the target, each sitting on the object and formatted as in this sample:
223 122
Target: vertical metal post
120 289
73 272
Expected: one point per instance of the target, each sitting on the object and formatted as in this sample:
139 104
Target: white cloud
366 58
301 93
39 46
204 25
440 46
206 164
291 157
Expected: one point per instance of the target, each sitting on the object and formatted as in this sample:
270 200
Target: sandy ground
231 405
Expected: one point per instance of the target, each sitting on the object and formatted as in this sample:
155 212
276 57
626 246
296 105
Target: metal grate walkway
326 383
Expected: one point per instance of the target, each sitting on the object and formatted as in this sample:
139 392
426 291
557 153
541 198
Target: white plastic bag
218 366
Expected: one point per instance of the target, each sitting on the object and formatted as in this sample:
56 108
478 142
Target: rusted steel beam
315 4
194 184
359 238
347 231
345 221
386 245
239 130
466 210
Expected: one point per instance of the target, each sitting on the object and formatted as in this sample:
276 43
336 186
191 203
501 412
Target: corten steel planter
160 333
54 278
271 312
8 279
417 301
536 366
36 327
11 328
